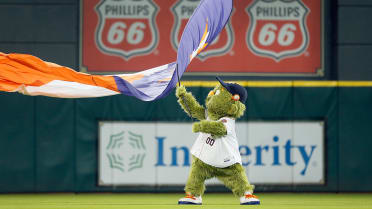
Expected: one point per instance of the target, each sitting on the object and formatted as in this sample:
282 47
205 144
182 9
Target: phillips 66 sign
139 25
262 37
278 30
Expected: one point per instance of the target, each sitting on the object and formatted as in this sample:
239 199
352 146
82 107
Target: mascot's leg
195 183
234 178
198 174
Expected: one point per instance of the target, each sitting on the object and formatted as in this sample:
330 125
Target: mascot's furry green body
216 151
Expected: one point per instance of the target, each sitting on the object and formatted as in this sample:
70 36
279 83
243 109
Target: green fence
50 145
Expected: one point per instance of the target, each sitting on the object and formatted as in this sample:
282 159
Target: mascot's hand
189 103
180 91
196 127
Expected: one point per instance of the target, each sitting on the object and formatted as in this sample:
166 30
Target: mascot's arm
189 103
216 128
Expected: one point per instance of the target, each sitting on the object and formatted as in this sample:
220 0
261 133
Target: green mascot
216 150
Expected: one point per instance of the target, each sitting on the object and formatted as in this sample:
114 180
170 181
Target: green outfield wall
50 145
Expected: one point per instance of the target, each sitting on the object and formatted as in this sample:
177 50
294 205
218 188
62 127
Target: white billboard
135 153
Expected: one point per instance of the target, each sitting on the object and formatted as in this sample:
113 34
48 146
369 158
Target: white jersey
220 152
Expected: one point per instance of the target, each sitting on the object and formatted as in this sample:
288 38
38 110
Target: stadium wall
50 145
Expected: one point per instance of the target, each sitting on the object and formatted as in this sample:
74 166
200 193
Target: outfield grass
165 201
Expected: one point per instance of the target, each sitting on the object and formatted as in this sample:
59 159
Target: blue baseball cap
235 88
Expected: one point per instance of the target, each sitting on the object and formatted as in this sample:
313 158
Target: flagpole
183 96
178 76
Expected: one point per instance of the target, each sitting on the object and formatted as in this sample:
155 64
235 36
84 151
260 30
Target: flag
30 75
204 25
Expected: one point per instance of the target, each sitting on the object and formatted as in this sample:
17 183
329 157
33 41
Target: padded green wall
355 137
50 145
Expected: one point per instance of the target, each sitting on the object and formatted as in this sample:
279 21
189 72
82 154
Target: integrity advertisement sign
158 153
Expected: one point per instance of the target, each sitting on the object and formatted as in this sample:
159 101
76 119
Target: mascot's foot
190 200
249 199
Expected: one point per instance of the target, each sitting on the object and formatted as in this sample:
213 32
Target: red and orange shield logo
126 28
278 28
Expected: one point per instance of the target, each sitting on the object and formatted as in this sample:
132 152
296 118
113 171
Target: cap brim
222 83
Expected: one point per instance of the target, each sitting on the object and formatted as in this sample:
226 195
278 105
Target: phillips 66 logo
278 28
126 27
182 11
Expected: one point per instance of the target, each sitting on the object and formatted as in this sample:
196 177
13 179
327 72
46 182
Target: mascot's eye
217 92
236 97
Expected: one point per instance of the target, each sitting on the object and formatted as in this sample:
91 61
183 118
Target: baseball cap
234 88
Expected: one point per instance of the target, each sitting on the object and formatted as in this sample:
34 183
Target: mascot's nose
211 93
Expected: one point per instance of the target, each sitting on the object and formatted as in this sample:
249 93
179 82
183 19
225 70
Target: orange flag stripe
18 69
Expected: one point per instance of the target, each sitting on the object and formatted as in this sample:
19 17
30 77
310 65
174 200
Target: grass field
165 201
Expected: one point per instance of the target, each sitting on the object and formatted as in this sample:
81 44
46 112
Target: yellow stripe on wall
355 83
282 83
